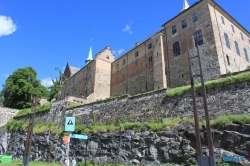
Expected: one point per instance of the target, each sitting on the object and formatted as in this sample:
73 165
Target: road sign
66 139
70 124
79 136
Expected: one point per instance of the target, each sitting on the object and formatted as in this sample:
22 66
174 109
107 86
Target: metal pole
86 150
30 133
197 131
209 133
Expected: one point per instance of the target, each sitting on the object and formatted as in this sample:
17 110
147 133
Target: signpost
70 124
66 139
79 136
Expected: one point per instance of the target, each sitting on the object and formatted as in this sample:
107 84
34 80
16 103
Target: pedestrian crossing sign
70 124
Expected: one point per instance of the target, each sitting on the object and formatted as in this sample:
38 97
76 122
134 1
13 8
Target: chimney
137 43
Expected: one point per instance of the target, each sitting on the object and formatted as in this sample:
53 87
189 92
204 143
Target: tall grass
39 108
152 126
178 91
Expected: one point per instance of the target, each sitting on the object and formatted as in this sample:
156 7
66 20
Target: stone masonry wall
226 99
6 114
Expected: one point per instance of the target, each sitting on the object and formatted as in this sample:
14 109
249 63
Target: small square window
195 17
149 45
174 29
150 59
233 28
124 61
241 36
222 20
136 54
88 68
183 24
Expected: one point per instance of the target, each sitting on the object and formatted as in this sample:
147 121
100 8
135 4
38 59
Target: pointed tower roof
89 59
90 54
185 5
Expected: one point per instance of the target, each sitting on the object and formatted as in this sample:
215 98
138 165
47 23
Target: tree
20 86
56 88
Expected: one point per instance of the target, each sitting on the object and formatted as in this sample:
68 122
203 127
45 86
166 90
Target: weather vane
91 40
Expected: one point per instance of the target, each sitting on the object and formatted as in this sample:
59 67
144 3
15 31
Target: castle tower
185 5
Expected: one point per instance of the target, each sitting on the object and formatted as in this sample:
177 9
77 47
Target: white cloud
6 25
47 82
120 51
128 28
6 75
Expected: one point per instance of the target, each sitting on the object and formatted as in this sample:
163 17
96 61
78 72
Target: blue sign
70 124
234 158
79 136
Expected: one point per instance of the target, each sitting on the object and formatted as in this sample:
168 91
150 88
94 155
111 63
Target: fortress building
161 61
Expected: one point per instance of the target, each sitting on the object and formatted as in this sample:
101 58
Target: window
237 48
198 39
246 55
149 45
136 54
176 49
124 61
88 68
233 28
194 17
228 62
174 29
183 24
222 20
83 72
227 40
107 57
241 36
150 59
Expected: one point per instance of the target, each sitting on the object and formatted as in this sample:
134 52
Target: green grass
151 126
72 105
178 91
39 108
15 125
19 163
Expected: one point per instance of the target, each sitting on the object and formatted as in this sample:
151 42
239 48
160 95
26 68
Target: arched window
227 40
246 55
176 49
198 39
237 48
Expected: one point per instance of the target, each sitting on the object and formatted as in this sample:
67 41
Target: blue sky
46 34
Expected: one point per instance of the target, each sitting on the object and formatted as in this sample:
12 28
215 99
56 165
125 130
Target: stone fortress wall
6 114
222 100
134 147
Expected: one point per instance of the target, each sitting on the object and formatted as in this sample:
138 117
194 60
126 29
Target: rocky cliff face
175 145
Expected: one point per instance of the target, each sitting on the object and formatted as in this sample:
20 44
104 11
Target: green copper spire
89 59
